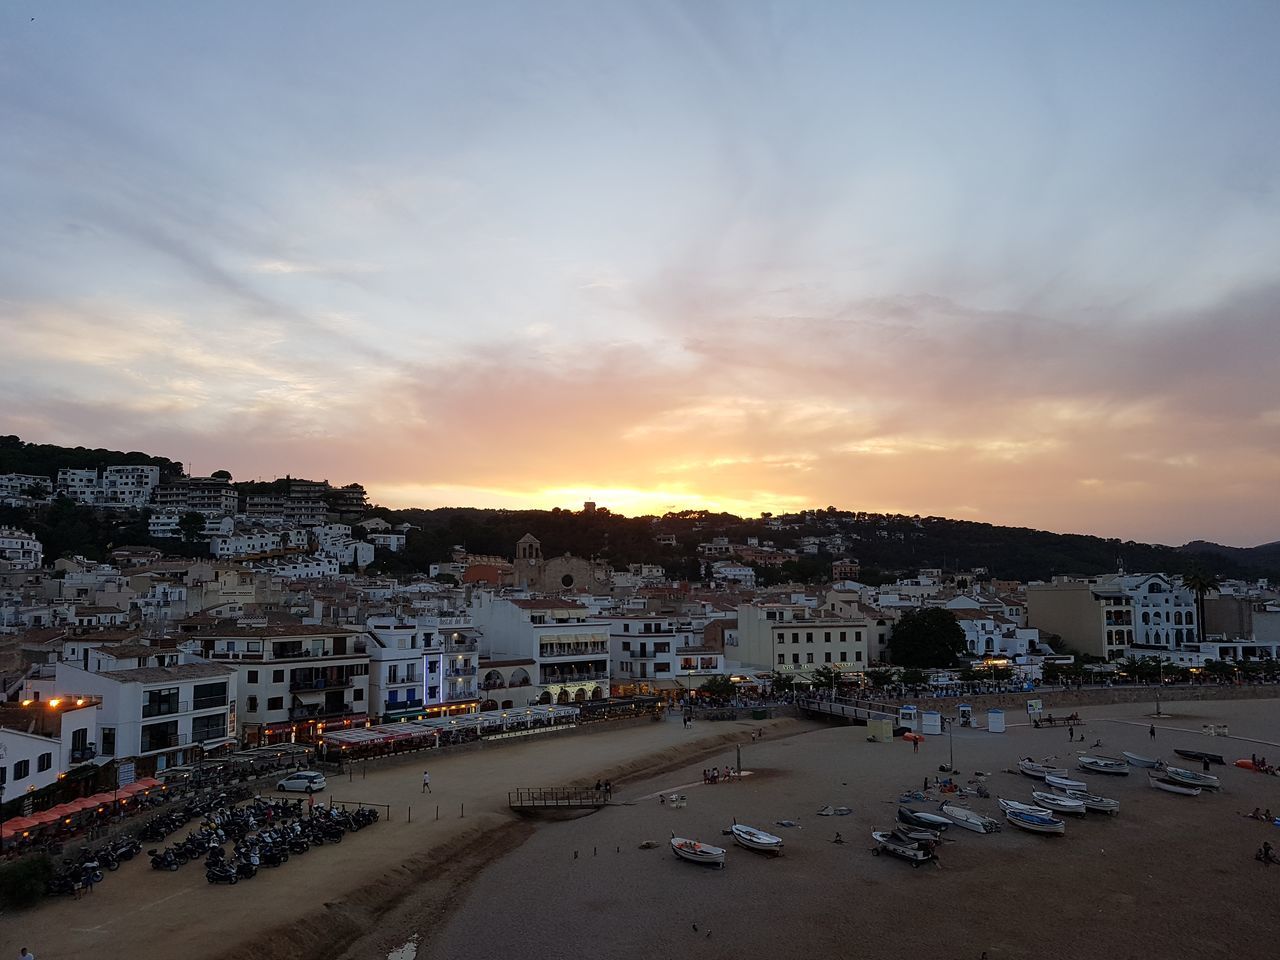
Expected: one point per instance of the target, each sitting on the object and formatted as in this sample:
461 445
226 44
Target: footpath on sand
333 894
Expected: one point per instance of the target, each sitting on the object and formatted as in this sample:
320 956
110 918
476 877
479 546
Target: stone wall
1057 699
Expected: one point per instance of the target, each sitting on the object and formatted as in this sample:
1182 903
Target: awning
81 805
16 825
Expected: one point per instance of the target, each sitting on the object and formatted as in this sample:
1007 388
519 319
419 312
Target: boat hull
1138 760
1172 786
1059 804
1095 803
1014 806
1192 779
757 840
917 818
969 820
887 843
1066 783
1038 770
1200 755
695 852
1112 768
1032 823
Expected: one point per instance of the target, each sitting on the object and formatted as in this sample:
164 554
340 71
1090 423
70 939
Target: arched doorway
581 695
563 697
507 704
545 698
520 677
492 681
597 694
489 705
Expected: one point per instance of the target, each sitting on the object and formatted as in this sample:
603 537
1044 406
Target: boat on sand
914 853
696 852
969 819
1172 786
1035 823
754 839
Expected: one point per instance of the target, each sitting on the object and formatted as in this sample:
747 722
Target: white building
21 487
789 636
165 525
297 567
20 550
250 543
79 485
161 716
213 496
569 649
388 541
43 739
731 571
128 486
295 681
657 654
421 667
348 553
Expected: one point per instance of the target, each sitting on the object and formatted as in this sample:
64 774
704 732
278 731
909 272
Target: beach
1170 875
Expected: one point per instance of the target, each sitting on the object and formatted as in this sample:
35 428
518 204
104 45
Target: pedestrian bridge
849 709
524 799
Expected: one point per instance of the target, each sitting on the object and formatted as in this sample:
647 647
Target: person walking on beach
26 954
1071 733
915 745
426 782
1152 731
608 789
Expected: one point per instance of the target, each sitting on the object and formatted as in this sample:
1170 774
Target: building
422 667
21 487
297 567
128 486
295 681
730 571
158 716
393 542
165 525
568 647
659 655
531 572
348 552
795 637
848 569
78 485
20 550
212 496
43 740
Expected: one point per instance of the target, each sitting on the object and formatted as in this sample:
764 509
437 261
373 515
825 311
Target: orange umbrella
84 803
16 825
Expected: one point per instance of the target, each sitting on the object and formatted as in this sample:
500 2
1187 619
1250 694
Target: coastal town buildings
797 638
422 667
19 550
44 739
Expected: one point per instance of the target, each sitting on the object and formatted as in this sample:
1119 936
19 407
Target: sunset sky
1015 262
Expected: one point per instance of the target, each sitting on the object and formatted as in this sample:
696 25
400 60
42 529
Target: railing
156 744
559 652
317 713
319 685
551 797
159 709
644 655
577 678
464 672
204 703
470 646
453 696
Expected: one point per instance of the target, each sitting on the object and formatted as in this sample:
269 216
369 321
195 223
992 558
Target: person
1256 815
1205 762
915 745
599 787
1152 732
1267 816
1266 854
426 782
26 954
1071 733
838 839
608 789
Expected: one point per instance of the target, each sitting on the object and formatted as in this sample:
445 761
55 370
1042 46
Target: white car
307 781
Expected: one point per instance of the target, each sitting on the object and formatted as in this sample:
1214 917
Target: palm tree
1200 582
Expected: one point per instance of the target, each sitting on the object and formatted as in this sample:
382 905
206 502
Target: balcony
574 678
319 685
560 653
165 709
461 672
645 655
465 647
157 744
318 712
456 696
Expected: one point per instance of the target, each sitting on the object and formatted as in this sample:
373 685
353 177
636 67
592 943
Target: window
782 659
275 703
808 658
253 676
857 636
795 658
160 703
159 736
205 695
626 644
393 696
211 727
828 656
858 656
626 628
410 672
255 646
393 673
45 762
358 695
251 704
108 737
842 638
826 637
795 638
277 676
808 637
21 770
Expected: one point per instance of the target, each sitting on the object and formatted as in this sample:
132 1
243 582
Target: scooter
165 860
221 873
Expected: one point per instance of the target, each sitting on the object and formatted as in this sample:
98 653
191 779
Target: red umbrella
16 825
81 805
148 782
43 816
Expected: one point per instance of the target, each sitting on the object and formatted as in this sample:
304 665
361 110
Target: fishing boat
1138 760
1107 765
915 853
1015 807
1201 756
1094 802
1172 786
1039 770
1059 803
754 839
1193 779
916 834
696 852
1066 783
1035 823
918 818
969 819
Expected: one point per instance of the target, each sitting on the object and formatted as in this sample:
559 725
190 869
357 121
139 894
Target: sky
1011 262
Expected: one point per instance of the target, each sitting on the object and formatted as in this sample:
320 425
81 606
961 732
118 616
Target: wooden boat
1059 803
1035 823
1107 765
1193 779
916 834
696 852
915 853
1066 783
1138 760
1172 786
1093 802
1039 770
1014 806
969 819
754 839
918 818
1201 756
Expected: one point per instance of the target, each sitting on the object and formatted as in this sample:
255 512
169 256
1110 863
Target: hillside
46 459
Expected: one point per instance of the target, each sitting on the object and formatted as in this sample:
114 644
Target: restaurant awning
16 825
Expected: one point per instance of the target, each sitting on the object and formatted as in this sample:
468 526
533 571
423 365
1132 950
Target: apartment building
22 487
796 637
659 655
128 486
568 647
20 550
213 496
394 542
165 525
295 681
43 739
78 485
422 667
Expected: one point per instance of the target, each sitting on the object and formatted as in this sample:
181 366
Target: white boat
1093 802
754 839
1193 779
1059 803
1035 823
1172 786
969 819
696 852
1116 768
913 852
918 818
1039 770
916 834
1065 783
1138 760
1013 806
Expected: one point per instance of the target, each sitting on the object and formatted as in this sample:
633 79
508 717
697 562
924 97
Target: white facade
421 667
348 553
651 653
15 486
774 636
79 485
20 550
298 567
388 541
164 525
247 544
39 750
733 572
128 486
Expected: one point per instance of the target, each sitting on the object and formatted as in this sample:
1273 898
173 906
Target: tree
827 677
1200 582
880 678
914 677
926 638
720 687
191 526
782 682
221 475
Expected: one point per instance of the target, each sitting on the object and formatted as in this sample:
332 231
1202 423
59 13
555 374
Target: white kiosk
909 717
932 723
995 721
966 715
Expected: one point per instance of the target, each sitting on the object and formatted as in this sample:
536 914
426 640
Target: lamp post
1159 682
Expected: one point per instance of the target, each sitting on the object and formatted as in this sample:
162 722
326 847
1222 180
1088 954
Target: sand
1170 876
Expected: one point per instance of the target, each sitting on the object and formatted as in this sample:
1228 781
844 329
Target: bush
22 883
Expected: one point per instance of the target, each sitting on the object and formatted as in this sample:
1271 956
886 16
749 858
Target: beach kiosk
995 721
880 729
909 716
966 715
931 724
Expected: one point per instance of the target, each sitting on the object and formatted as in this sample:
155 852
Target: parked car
306 781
